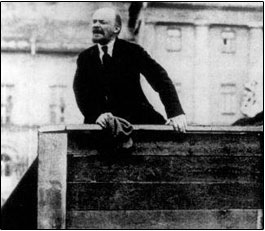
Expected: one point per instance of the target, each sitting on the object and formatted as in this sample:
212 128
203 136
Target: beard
100 40
98 36
101 37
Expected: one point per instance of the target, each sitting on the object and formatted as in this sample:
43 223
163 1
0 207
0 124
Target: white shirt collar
110 46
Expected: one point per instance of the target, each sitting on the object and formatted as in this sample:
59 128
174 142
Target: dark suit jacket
118 89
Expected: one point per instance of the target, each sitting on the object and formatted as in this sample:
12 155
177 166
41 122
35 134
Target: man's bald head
110 13
106 25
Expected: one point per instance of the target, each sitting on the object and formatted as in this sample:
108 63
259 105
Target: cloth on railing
119 132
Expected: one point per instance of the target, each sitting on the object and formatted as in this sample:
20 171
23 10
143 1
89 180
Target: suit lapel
96 58
97 73
117 54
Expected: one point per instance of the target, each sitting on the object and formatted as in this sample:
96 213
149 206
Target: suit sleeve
80 87
158 78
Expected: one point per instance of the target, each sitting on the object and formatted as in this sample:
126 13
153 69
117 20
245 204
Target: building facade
210 50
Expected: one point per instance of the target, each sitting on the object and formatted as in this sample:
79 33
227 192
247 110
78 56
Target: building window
7 103
5 165
228 41
57 104
62 110
173 42
228 99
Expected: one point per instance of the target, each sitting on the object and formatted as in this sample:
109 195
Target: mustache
97 30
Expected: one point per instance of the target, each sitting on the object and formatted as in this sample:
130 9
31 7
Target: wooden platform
208 178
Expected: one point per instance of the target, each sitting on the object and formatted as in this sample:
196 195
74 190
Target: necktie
106 58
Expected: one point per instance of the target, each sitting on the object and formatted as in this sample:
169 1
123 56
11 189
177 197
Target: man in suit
107 80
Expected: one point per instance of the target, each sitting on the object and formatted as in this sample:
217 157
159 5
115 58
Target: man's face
104 26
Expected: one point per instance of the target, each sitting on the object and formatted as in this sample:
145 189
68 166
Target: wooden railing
207 178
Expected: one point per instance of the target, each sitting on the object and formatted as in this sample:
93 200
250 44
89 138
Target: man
107 80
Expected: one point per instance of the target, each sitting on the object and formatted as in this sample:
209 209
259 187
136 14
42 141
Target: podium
207 178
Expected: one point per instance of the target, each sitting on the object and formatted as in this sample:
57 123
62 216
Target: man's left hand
179 123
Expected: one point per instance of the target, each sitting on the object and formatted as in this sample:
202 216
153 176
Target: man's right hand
102 119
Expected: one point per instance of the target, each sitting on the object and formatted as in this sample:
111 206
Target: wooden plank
52 128
163 219
260 219
202 146
83 127
164 195
166 143
164 168
52 180
193 138
202 128
190 129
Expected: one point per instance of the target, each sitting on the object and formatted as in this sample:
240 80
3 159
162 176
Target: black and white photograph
132 115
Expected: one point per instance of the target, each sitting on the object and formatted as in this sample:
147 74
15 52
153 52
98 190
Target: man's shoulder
129 45
88 52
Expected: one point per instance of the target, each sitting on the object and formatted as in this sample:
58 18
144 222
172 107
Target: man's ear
117 30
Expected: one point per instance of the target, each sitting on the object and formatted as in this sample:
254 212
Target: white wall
32 77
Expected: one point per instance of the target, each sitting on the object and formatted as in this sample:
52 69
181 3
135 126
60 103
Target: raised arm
158 78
